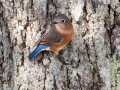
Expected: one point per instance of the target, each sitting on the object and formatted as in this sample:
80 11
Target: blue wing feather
38 49
59 38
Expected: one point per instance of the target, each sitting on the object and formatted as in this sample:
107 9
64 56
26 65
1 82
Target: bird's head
62 21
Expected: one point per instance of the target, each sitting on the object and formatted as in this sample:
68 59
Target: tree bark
94 49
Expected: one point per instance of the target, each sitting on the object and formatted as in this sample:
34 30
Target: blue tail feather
38 49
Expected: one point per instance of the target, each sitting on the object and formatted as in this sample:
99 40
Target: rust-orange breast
66 33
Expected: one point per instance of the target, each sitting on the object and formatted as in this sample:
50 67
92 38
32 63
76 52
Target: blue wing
38 49
51 37
58 38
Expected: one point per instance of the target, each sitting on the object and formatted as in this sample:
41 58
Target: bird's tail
38 49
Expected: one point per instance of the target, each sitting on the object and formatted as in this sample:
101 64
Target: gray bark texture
94 49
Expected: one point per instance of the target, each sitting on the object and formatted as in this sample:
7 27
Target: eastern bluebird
56 38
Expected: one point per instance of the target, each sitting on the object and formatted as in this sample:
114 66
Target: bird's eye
63 20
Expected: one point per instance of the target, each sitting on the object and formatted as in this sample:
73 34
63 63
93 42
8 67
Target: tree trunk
94 49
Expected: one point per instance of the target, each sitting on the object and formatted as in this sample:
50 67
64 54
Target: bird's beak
54 22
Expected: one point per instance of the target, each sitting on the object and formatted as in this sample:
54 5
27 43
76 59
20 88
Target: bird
56 38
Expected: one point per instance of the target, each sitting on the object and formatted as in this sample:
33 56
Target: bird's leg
62 61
